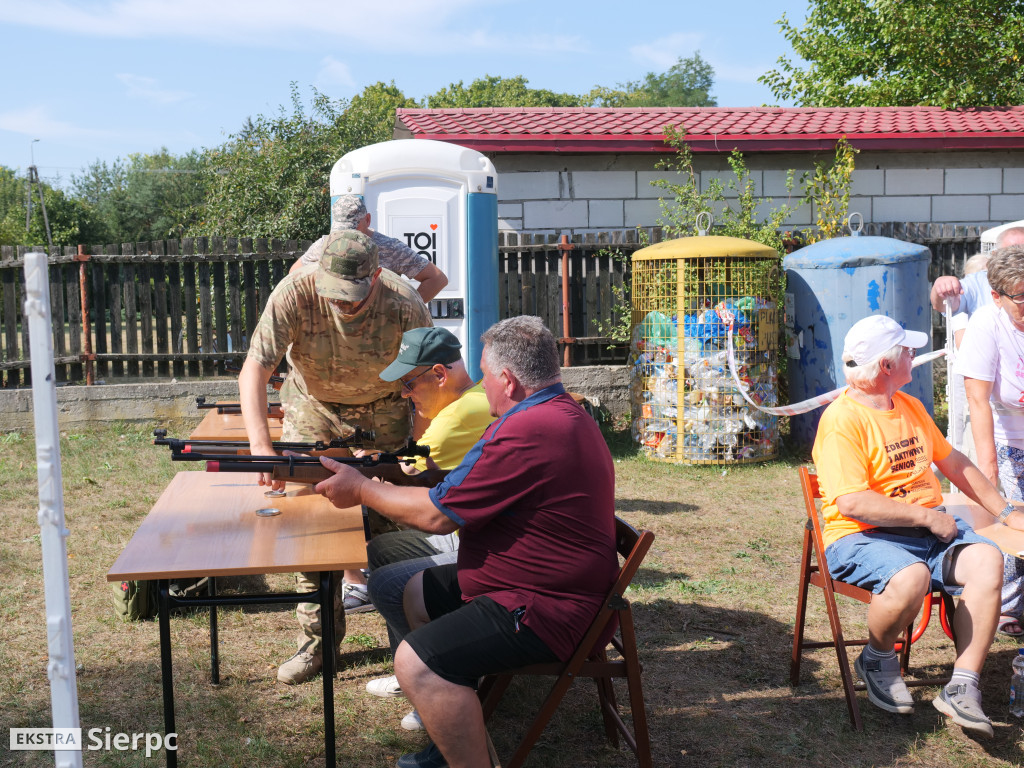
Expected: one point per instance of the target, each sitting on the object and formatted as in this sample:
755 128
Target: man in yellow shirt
433 375
886 529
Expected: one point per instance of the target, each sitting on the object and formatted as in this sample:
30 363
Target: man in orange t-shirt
886 529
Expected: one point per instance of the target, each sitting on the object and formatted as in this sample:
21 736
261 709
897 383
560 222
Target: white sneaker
356 598
385 687
412 722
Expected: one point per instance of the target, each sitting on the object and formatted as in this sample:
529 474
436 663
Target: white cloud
734 73
663 52
381 24
334 74
37 122
146 89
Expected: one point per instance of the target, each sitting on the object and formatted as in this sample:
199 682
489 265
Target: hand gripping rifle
309 470
178 445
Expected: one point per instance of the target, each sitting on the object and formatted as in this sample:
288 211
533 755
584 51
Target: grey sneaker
965 711
356 598
885 686
386 687
300 668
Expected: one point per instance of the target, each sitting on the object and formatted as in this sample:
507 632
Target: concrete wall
161 402
566 194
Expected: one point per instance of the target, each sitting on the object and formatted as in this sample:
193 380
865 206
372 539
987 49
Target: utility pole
33 180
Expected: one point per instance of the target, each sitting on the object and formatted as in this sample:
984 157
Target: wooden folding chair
589 660
814 571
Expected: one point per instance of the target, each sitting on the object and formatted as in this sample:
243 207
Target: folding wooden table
205 524
229 426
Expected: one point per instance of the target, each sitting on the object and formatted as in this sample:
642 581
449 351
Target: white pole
61 666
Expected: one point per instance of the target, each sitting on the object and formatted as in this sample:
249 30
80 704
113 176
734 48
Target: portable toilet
989 236
442 200
830 286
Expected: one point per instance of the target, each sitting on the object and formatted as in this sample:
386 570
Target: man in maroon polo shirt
534 503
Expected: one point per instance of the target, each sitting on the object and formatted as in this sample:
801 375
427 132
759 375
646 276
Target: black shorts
465 641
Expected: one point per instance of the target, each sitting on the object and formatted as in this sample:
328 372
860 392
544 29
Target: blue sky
101 79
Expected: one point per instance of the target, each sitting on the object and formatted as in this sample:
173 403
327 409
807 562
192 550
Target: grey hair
1006 269
524 346
867 375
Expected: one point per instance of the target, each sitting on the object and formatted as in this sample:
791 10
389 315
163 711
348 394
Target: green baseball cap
423 346
347 267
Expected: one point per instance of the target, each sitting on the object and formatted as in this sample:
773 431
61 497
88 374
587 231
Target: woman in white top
991 360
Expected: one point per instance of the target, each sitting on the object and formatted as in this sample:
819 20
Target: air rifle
273 409
177 445
309 470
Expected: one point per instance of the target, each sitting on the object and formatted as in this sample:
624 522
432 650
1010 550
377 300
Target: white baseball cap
875 335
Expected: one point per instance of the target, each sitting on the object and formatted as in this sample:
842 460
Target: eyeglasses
407 383
1016 298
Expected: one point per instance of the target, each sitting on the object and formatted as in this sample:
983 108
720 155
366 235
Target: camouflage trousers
310 637
309 419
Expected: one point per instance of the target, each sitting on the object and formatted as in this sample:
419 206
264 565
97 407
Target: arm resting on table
973 483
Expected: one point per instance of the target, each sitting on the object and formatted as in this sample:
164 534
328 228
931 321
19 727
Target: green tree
903 53
144 197
827 190
491 91
687 83
742 214
271 179
71 222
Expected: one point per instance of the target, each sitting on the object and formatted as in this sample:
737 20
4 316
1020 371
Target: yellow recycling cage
686 406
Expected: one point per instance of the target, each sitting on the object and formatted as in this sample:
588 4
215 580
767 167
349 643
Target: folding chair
814 571
591 660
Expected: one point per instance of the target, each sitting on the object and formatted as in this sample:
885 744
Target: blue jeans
869 559
392 560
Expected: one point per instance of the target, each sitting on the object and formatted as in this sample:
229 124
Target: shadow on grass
714 676
653 507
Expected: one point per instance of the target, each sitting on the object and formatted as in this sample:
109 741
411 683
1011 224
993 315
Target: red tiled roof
715 129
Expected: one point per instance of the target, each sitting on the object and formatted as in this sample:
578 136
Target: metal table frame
324 595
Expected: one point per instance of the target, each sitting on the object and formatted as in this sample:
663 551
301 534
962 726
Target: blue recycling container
832 284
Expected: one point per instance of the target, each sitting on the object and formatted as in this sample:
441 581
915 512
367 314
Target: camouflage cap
423 346
346 212
347 267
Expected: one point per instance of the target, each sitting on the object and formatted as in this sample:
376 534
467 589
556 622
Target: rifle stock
311 474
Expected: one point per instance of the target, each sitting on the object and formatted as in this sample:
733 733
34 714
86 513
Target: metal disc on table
268 512
275 494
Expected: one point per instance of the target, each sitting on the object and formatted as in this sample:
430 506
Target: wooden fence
185 308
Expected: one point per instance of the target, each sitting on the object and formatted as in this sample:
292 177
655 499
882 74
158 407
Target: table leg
327 670
214 651
166 674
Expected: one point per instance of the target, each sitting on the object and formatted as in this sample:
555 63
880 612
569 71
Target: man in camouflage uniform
349 212
340 323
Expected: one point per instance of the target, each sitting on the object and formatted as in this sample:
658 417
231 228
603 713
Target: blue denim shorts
870 558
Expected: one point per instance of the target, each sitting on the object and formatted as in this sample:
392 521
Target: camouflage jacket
336 358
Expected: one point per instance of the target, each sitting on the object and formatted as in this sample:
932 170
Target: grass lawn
714 607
